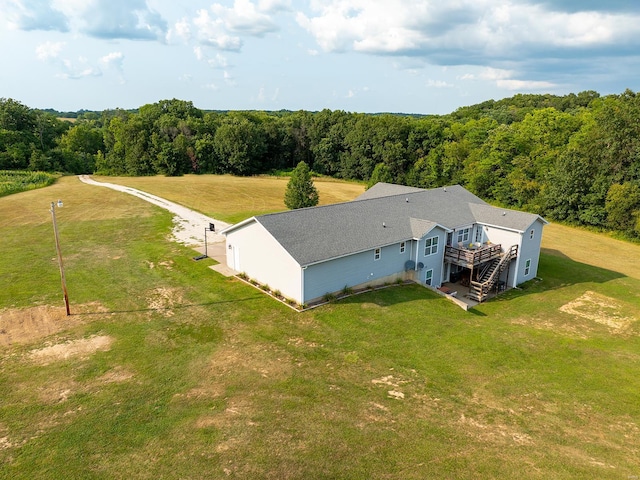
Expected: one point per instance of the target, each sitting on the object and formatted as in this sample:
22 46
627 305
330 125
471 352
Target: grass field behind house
232 199
206 377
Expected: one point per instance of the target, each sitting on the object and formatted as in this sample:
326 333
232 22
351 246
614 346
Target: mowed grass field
166 369
232 199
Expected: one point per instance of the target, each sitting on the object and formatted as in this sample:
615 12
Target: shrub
12 181
328 297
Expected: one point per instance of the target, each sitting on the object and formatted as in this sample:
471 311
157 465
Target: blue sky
413 56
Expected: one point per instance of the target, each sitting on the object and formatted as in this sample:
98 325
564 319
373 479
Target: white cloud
211 31
219 61
49 50
108 19
181 30
78 69
228 78
263 97
504 79
458 29
245 18
438 84
113 58
513 84
115 61
272 6
32 15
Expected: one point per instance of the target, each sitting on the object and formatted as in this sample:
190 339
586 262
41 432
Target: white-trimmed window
376 254
428 278
527 267
463 235
403 247
430 246
532 234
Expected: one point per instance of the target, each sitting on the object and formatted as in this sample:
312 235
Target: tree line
573 158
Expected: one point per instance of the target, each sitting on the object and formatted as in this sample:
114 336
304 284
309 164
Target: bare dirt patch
164 300
24 325
81 348
27 325
600 309
116 375
493 432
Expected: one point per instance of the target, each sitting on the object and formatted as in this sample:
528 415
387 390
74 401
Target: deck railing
471 258
479 290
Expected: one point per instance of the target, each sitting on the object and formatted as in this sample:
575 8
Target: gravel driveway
188 226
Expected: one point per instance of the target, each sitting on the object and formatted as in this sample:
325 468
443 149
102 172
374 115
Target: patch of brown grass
26 325
595 249
80 348
82 202
600 309
164 300
222 195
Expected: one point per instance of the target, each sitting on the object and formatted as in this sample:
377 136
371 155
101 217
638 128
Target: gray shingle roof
384 215
382 189
512 219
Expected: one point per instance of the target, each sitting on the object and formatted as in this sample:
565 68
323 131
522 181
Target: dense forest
573 158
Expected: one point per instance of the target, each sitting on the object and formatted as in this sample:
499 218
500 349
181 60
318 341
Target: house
389 232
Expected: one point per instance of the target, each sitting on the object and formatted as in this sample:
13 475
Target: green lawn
203 376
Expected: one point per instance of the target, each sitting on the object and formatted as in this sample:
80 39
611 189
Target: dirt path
189 226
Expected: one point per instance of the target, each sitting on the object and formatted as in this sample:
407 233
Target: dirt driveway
188 226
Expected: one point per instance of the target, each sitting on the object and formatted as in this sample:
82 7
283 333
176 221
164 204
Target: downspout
302 299
415 269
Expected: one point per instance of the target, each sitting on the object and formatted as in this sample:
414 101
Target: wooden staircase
490 274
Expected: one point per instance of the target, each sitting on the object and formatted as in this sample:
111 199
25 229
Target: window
402 247
527 267
531 234
430 246
463 235
428 277
376 254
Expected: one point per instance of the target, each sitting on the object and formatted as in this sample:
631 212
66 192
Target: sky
409 56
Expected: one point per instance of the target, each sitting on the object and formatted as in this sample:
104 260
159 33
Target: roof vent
444 188
407 199
384 225
504 213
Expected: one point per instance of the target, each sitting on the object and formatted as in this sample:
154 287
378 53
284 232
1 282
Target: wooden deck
469 258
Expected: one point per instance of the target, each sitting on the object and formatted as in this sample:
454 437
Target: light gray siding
361 268
530 249
434 261
252 250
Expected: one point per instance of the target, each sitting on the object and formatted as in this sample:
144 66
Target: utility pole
55 232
